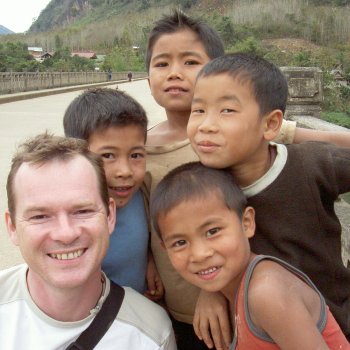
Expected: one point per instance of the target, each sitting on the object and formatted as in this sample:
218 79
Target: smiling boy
115 127
211 250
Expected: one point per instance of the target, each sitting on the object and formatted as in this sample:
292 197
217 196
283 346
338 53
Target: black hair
268 84
192 181
177 21
98 109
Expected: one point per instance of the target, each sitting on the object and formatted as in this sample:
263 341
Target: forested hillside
287 32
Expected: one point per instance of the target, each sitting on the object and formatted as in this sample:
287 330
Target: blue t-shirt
126 259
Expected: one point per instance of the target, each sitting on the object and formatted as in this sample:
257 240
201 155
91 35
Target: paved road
22 119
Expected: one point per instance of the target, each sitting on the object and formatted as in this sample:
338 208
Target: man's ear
248 222
11 228
272 126
149 84
112 216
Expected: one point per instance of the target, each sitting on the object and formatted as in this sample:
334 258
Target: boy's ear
273 122
248 222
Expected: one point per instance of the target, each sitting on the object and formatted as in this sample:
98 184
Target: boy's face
225 127
176 60
122 149
209 249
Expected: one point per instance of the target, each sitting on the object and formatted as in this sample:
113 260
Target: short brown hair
45 148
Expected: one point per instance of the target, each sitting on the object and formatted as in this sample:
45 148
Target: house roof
85 54
35 49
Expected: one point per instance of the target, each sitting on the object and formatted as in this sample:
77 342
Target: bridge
27 114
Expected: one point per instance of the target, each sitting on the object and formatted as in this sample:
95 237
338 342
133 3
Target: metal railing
12 82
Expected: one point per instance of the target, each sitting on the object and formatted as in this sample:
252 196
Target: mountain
60 13
101 25
63 13
5 31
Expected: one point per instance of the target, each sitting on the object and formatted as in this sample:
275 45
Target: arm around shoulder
340 139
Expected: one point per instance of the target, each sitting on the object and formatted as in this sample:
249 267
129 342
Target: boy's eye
107 155
228 110
137 155
161 64
197 110
179 243
212 231
191 62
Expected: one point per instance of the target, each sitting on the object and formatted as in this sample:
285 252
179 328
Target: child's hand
211 320
155 290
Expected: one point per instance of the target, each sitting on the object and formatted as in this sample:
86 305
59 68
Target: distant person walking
109 75
129 76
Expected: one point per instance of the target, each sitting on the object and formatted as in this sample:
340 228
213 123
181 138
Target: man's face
176 60
124 157
225 127
61 225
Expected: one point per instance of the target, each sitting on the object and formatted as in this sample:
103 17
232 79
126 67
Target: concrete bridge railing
13 82
304 106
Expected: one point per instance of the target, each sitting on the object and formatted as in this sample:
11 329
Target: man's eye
38 217
212 231
83 211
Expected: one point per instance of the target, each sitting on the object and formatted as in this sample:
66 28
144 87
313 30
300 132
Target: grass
339 118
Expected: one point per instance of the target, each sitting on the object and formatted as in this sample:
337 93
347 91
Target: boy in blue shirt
115 127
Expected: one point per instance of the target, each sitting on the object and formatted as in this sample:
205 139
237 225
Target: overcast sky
17 15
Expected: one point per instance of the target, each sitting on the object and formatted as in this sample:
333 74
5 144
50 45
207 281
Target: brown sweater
296 221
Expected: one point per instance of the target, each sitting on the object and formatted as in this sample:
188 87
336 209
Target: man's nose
65 230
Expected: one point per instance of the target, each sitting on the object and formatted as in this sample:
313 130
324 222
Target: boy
178 47
211 250
292 188
115 127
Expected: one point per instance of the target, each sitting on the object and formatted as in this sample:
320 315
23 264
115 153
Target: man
60 216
